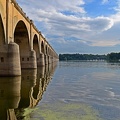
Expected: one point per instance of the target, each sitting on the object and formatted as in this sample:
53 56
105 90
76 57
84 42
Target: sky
77 26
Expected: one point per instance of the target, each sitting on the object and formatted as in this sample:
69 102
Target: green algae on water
62 111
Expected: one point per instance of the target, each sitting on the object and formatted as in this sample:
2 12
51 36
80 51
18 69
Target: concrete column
41 61
46 59
33 60
30 61
50 59
10 60
4 61
14 67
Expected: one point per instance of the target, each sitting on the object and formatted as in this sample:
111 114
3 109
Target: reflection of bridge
21 44
23 92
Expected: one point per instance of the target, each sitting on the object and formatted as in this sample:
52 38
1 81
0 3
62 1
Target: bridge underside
27 57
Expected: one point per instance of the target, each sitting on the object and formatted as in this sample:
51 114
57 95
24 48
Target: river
70 91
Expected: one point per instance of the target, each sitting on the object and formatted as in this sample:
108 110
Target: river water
74 91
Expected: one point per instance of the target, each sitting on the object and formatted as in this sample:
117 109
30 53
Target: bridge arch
2 32
36 46
46 50
42 48
21 37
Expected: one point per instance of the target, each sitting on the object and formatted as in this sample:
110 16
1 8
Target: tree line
109 57
113 57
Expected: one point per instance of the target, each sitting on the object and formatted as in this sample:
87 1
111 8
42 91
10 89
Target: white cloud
105 43
117 8
57 5
105 1
116 17
63 23
100 23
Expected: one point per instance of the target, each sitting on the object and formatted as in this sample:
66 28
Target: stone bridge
21 44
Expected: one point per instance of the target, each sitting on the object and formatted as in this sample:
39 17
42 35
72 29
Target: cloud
116 16
105 43
60 23
57 5
100 23
117 7
105 1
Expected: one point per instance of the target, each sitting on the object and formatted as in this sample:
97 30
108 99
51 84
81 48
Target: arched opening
2 34
42 47
22 39
36 46
46 50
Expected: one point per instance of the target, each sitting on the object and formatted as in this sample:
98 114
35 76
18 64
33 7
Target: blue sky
77 26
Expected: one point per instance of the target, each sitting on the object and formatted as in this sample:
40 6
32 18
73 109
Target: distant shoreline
112 57
83 60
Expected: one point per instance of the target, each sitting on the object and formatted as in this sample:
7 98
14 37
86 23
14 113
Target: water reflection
25 91
9 97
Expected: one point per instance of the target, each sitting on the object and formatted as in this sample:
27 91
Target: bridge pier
49 59
41 61
10 60
29 61
13 59
46 59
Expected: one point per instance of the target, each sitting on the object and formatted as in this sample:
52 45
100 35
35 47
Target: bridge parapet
16 5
